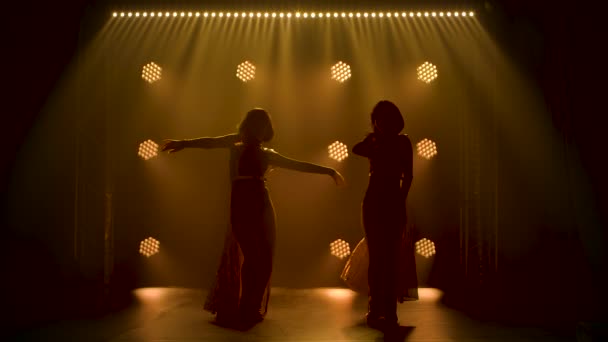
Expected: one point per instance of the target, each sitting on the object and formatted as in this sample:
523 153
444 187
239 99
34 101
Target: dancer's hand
338 178
172 146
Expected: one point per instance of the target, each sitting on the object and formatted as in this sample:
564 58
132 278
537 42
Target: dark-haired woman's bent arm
364 148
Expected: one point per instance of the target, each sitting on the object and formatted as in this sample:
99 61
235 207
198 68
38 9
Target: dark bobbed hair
387 118
256 127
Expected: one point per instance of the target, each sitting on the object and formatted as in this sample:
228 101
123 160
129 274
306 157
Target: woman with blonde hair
240 295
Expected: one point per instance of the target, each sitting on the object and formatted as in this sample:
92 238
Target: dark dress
392 272
242 284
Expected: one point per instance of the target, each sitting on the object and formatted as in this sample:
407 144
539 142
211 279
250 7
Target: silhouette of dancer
384 216
240 295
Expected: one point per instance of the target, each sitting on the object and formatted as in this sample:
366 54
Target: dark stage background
77 110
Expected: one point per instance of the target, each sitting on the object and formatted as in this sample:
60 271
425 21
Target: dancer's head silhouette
256 127
386 118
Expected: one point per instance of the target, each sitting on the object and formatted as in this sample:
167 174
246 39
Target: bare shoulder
404 138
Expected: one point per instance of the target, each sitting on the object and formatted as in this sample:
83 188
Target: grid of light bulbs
148 149
426 148
425 247
245 71
427 72
149 247
338 151
296 15
340 72
339 249
151 72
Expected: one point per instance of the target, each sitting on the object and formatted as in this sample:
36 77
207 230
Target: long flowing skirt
355 272
252 218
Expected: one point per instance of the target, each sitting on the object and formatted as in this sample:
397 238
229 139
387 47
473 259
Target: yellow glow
425 247
429 294
245 71
339 294
149 247
151 72
427 72
338 151
148 149
150 294
339 248
298 14
426 148
340 72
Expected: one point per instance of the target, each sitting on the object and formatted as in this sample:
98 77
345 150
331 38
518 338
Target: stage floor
324 314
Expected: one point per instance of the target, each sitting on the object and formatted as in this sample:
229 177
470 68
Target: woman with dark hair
240 295
392 272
